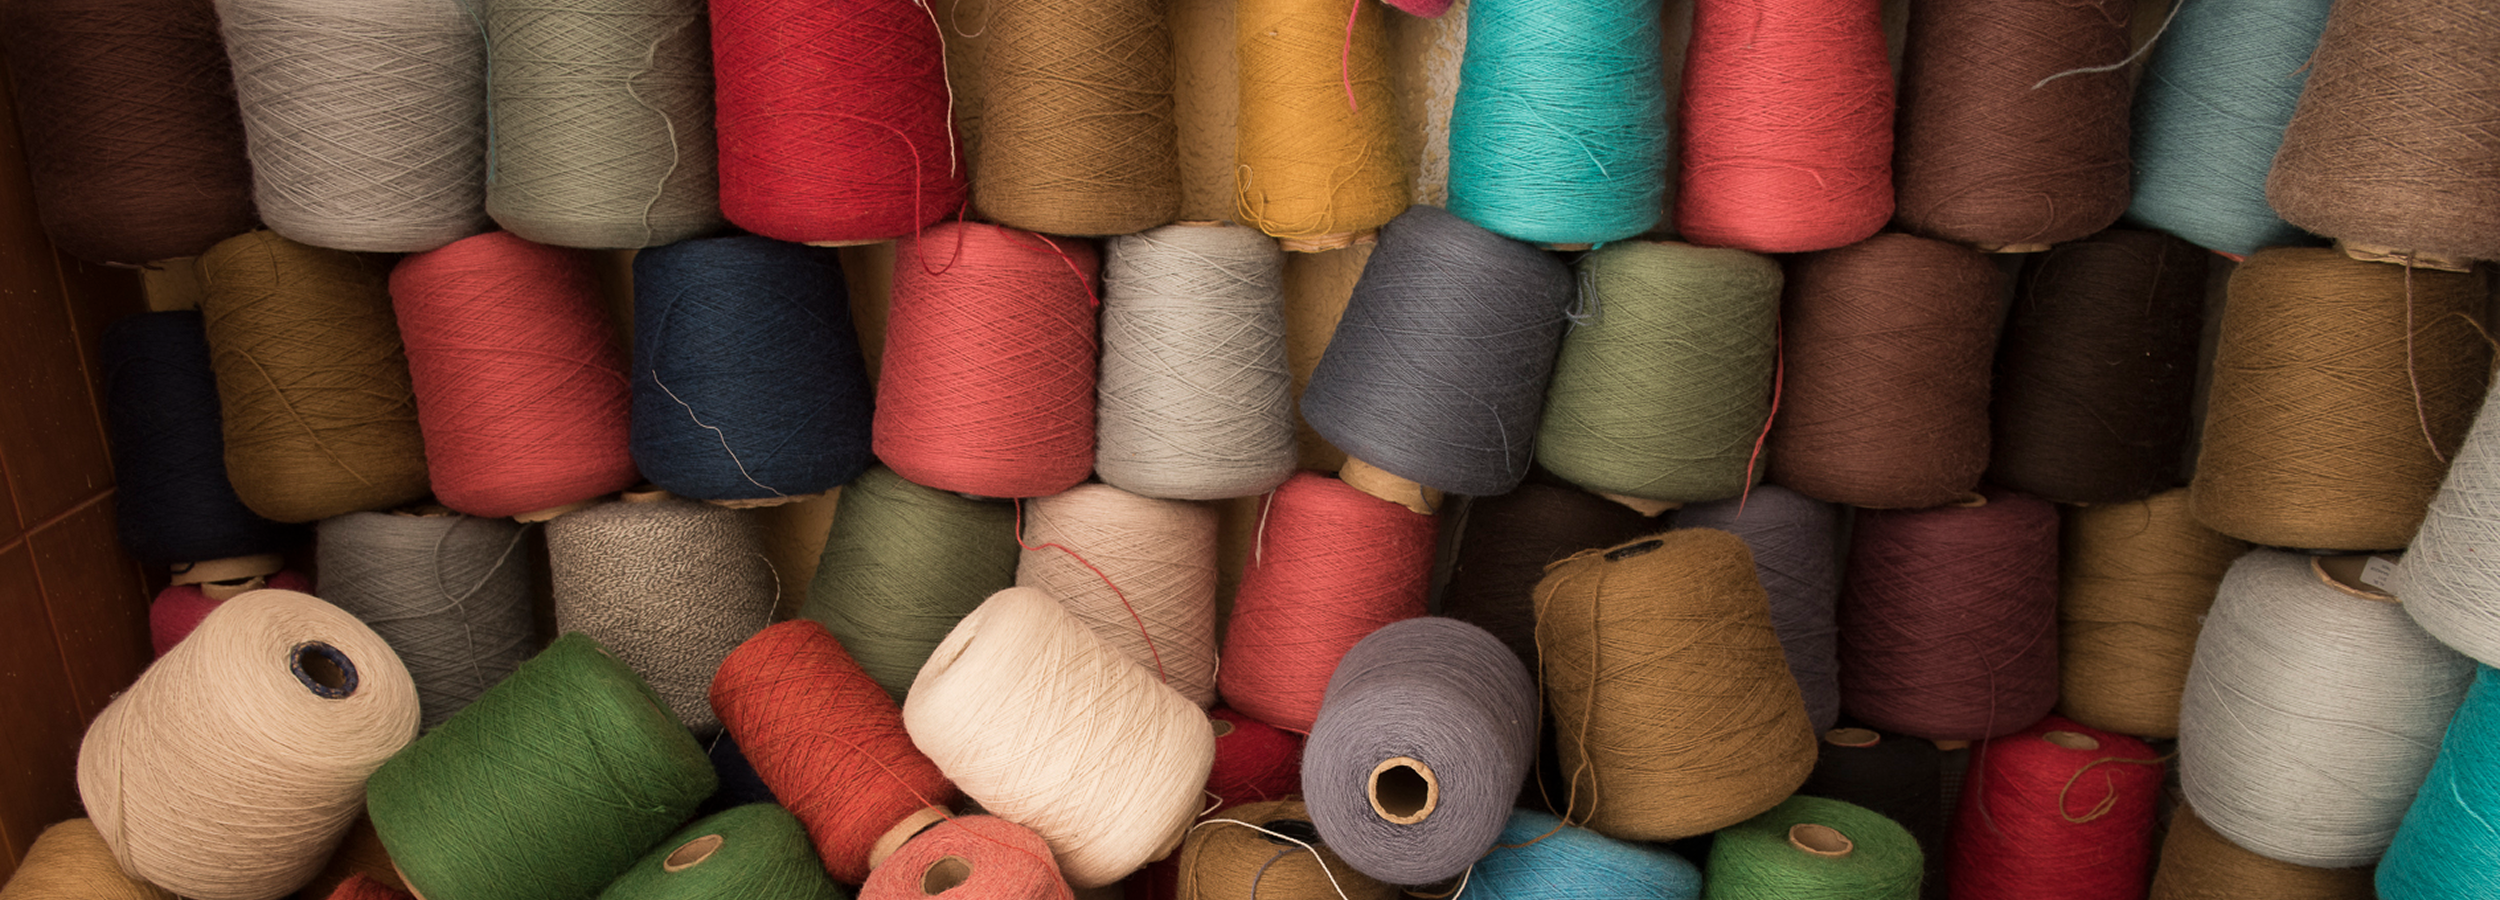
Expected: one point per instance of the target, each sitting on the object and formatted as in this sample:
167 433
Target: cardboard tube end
910 827
692 853
1381 483
1820 840
2381 253
2072 740
1404 790
232 568
1649 509
1852 737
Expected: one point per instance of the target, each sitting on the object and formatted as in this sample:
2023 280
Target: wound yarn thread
1885 365
2134 582
1757 859
1138 571
973 856
666 584
2216 93
69 861
1255 762
450 593
602 117
232 767
1330 565
364 887
133 143
2340 391
1194 401
2392 144
2096 369
1664 382
1674 713
318 411
757 850
366 120
2448 576
2057 810
1538 854
1787 111
1505 542
834 120
1248 851
1317 156
2197 864
2002 141
1559 130
1427 732
1438 367
1894 776
1948 618
1796 552
2311 713
172 502
988 378
549 786
1128 755
521 390
901 565
1077 129
2442 849
827 740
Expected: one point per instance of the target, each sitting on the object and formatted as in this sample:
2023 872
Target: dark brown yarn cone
1889 343
1508 541
133 140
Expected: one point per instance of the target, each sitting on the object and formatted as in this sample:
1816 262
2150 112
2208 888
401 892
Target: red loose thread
179 608
521 390
827 740
988 383
835 119
1787 125
2056 811
1331 565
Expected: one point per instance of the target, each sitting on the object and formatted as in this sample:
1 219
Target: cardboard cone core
2343 573
947 873
232 568
222 591
1404 790
692 853
1646 507
765 502
1852 737
1820 840
1220 727
910 827
1326 242
537 516
645 494
1379 482
2013 248
2381 253
2072 740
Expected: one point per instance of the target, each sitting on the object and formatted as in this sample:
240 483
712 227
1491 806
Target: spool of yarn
739 783
602 119
2340 390
2209 115
1559 131
521 389
1787 114
1538 856
69 861
1317 159
548 787
2134 583
366 122
1663 387
1505 543
179 609
828 741
2091 407
1195 401
1794 539
2312 711
2443 850
1426 734
1814 847
172 502
233 765
1885 367
1126 756
1255 762
2392 146
901 565
2013 130
1138 571
980 856
988 379
1437 370
450 593
2447 575
2059 810
1674 713
361 859
133 144
833 119
363 887
757 850
1948 618
1250 851
748 379
1077 129
1330 565
1897 777
318 414
668 585
2197 864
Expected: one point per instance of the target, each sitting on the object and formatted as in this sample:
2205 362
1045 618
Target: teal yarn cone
1813 847
1663 386
1540 858
549 786
2209 114
2446 846
902 564
754 852
1559 131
